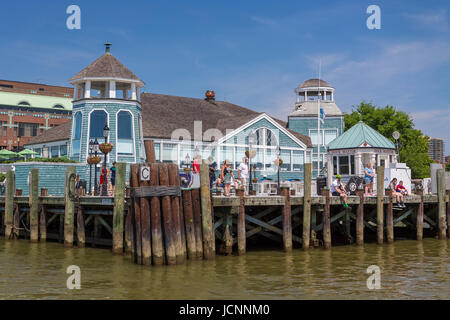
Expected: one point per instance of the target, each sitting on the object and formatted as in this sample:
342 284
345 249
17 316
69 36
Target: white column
330 170
75 92
324 95
112 89
133 91
332 95
138 92
87 90
106 90
306 96
358 164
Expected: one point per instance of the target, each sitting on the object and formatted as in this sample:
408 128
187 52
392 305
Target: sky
251 53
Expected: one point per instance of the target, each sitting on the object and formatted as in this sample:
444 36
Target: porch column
112 89
306 96
358 163
332 95
87 90
75 92
329 170
133 91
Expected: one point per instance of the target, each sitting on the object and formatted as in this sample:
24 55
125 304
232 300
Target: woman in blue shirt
369 174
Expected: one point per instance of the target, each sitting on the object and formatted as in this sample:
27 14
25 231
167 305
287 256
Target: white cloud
265 21
434 20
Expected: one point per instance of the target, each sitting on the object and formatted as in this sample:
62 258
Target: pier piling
136 218
81 233
441 205
390 218
189 224
419 217
196 207
326 219
207 225
360 218
168 223
380 204
241 233
119 208
155 217
145 225
9 204
286 220
174 181
34 205
306 206
69 206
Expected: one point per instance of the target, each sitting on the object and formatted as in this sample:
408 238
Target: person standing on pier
113 176
227 177
243 174
369 174
338 190
103 175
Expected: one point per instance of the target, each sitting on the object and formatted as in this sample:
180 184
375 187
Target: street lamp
251 142
105 186
91 150
95 149
396 136
187 159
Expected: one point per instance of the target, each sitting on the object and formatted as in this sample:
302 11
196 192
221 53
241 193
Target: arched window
124 133
77 133
97 123
58 106
24 103
266 137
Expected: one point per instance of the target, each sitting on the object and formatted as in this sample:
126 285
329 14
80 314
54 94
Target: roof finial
108 47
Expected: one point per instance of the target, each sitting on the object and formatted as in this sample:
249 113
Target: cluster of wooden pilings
158 223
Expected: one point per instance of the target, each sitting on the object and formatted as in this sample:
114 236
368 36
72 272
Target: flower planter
94 160
105 147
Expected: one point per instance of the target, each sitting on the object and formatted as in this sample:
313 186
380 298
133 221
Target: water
409 270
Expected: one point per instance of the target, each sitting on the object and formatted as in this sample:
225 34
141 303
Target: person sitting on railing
398 195
338 190
401 189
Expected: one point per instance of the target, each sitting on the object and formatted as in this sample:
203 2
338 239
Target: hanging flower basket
105 147
94 160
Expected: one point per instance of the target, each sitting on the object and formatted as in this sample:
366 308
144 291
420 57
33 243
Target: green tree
447 166
413 145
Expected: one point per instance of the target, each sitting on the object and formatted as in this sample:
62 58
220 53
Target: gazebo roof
361 136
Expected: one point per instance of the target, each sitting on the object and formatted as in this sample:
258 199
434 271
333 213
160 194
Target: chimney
108 48
210 95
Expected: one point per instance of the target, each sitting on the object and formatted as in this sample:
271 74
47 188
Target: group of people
227 177
108 175
398 190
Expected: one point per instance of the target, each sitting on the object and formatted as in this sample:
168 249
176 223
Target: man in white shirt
243 174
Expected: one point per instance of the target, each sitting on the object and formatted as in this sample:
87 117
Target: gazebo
349 153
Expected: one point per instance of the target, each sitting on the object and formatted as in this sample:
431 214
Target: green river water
409 270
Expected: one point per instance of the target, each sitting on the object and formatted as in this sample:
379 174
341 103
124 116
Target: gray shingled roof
314 83
106 66
162 114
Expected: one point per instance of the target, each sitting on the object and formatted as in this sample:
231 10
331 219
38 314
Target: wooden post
136 217
380 211
168 223
150 151
119 208
16 219
43 224
242 243
69 207
326 219
286 219
128 227
360 218
189 224
390 218
227 234
197 222
145 225
448 213
156 229
174 181
441 206
419 222
81 233
34 205
9 204
207 226
306 206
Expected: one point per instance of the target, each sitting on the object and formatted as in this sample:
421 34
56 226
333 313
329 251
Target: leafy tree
447 166
413 145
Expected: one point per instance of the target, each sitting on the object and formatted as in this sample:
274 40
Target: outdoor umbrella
27 152
7 153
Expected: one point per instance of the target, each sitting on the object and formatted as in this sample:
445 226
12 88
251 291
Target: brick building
27 109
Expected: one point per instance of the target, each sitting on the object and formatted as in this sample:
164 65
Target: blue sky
252 53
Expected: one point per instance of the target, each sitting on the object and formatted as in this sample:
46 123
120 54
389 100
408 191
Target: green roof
361 136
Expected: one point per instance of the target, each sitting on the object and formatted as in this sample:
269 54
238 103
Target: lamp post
105 185
95 149
251 142
91 150
187 159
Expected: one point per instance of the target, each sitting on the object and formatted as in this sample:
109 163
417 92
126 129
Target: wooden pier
158 223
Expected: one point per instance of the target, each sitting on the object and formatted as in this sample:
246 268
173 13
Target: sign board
145 174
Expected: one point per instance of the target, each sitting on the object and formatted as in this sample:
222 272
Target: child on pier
398 195
338 190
